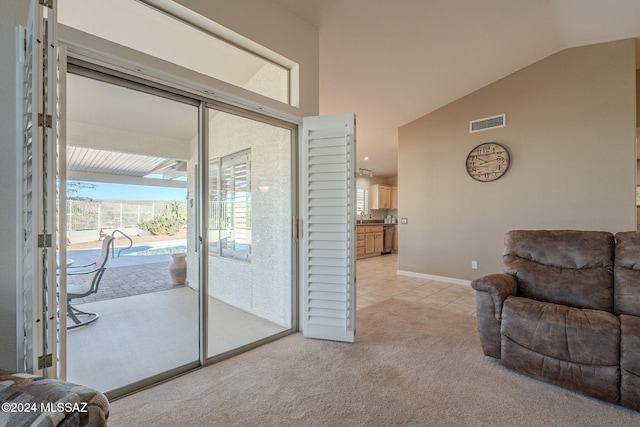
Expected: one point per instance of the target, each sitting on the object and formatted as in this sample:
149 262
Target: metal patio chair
90 285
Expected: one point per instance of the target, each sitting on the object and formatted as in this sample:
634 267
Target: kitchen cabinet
394 198
369 240
360 249
395 238
383 197
378 242
369 243
379 197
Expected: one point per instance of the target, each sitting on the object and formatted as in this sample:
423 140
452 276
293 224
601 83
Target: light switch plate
404 221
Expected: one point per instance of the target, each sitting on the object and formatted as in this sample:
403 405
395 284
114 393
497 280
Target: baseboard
432 277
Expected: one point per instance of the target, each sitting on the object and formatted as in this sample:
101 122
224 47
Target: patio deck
124 275
126 281
144 335
147 325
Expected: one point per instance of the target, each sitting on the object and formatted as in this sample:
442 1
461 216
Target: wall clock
488 162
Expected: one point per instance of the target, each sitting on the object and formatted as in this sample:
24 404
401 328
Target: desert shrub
172 218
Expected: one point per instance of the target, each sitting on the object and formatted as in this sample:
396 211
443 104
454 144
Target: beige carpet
411 365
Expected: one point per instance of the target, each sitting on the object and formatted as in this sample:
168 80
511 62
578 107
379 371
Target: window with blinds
230 206
362 203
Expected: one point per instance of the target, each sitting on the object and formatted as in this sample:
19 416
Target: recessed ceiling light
366 158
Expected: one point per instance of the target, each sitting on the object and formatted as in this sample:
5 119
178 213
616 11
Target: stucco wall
261 286
571 134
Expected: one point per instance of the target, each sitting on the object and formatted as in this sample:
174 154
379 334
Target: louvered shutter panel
328 227
30 185
39 104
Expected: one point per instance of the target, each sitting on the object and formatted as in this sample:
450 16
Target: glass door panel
249 231
131 171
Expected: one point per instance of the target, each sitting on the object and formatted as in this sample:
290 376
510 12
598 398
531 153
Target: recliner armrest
499 286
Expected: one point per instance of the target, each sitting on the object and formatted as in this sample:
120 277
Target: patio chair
94 274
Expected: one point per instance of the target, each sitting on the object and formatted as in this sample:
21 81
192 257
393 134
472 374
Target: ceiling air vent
488 123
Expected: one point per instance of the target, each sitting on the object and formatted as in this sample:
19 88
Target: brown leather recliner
567 310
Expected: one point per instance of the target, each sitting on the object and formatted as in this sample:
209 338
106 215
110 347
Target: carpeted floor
411 365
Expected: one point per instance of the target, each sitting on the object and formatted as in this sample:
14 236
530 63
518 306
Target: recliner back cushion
573 268
627 273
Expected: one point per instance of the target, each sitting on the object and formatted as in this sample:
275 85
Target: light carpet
411 365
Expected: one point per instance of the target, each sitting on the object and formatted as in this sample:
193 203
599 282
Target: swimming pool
154 250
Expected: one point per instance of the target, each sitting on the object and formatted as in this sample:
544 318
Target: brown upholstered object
574 348
488 325
499 287
567 311
562 266
492 290
630 361
627 273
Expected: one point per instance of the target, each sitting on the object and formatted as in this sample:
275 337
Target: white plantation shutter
39 104
28 61
328 227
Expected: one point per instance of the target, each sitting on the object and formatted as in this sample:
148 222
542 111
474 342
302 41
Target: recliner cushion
630 361
627 273
573 268
578 349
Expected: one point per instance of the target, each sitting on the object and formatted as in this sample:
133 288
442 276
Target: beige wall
571 134
638 97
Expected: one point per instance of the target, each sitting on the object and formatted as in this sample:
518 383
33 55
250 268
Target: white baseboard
432 277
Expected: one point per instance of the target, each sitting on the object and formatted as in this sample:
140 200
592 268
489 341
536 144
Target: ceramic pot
178 269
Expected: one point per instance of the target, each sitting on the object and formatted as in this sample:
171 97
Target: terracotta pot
178 269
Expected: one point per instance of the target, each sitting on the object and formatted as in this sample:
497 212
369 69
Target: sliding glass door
131 161
249 220
181 283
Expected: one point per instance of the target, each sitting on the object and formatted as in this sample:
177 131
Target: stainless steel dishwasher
388 239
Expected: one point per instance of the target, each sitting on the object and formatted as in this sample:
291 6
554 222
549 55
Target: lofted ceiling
392 62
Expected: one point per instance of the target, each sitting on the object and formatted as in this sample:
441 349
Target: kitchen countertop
373 222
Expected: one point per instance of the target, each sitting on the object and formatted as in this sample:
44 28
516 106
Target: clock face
488 162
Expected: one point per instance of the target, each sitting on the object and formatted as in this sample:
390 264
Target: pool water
147 250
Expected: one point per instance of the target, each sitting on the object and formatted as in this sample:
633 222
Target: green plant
169 222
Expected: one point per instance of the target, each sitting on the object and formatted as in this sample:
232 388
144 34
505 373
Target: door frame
106 74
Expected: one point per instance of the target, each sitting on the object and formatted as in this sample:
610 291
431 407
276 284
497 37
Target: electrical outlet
474 265
404 221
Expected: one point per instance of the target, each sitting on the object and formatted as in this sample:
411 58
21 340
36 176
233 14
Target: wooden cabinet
369 243
394 198
379 197
383 197
395 239
369 240
359 243
378 242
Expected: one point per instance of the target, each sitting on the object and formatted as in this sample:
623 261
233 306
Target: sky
106 191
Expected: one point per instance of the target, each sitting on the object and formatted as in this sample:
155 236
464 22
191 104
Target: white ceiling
392 62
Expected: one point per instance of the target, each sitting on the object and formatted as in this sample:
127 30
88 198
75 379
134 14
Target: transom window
141 27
